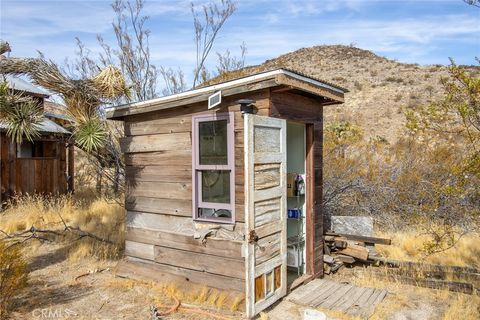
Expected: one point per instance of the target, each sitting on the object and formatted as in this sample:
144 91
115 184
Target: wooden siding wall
160 228
31 175
294 107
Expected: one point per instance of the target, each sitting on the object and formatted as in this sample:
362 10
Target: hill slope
380 89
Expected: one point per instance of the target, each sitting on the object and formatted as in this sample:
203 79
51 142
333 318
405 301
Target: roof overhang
21 85
44 127
275 78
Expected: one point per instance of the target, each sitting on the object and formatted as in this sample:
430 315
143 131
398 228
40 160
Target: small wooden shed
230 196
42 166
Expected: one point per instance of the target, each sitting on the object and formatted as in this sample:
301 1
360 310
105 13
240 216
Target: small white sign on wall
215 99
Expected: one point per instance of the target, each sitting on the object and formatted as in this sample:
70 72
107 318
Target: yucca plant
90 134
20 114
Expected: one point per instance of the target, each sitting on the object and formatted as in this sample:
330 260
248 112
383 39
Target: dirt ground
53 293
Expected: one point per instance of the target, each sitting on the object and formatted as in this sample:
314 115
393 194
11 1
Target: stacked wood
347 249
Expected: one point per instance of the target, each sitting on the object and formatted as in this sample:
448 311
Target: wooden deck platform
352 300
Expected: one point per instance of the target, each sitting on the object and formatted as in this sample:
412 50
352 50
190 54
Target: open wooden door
265 216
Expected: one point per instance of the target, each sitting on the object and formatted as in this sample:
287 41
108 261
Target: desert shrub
398 97
403 184
13 276
394 79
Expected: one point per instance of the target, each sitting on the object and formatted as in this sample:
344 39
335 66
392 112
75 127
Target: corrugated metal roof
22 85
57 116
45 126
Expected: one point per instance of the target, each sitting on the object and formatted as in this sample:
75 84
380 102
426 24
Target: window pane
25 149
214 213
213 142
215 186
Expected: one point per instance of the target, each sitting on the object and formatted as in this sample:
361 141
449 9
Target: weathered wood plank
312 298
361 304
156 126
268 229
181 158
160 222
145 270
267 248
211 246
266 175
365 239
165 190
156 142
355 251
201 262
139 250
332 299
178 224
176 207
266 211
158 173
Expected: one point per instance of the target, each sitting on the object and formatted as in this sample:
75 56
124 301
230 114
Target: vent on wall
215 99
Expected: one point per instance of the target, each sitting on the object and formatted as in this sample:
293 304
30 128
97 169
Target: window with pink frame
213 165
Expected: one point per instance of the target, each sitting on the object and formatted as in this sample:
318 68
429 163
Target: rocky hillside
380 89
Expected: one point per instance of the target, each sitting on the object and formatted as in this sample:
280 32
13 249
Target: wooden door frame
310 201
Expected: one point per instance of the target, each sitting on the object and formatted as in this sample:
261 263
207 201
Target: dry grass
264 316
463 307
413 300
404 299
97 216
191 295
409 246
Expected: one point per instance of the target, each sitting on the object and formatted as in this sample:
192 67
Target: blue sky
425 32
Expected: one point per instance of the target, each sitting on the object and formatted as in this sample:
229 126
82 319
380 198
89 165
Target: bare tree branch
207 26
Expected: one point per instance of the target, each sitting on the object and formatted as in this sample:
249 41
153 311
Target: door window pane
215 186
213 142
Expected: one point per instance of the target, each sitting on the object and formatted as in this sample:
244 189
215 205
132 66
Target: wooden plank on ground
327 289
365 239
351 300
332 299
357 308
371 302
355 251
299 294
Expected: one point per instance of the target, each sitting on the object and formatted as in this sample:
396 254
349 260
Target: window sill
214 221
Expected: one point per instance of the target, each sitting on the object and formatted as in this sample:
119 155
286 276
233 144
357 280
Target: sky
424 32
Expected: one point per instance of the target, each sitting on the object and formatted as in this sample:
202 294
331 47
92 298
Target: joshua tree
83 97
